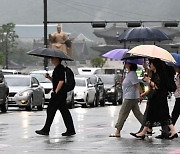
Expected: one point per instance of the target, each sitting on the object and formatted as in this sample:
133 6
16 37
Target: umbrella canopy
48 52
177 58
118 54
141 34
152 51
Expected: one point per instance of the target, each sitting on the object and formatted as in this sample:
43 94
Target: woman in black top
158 110
58 100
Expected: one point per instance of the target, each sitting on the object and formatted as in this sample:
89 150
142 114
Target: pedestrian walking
165 129
158 110
131 95
58 100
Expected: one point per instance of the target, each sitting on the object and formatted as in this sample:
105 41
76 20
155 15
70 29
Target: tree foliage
97 62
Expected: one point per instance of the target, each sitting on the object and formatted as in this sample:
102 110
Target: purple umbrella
118 54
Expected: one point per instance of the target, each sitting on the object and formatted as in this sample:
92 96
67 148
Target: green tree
7 39
97 62
1 58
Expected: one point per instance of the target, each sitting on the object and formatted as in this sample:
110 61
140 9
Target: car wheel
30 106
115 100
71 104
97 100
41 107
120 101
4 106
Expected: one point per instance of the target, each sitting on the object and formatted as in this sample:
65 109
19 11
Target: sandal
114 135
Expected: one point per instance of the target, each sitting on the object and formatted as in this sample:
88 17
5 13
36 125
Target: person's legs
51 111
123 114
137 112
66 116
172 132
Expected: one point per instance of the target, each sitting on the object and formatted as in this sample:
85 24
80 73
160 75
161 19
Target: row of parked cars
34 90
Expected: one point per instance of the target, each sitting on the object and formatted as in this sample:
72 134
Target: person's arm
59 86
138 86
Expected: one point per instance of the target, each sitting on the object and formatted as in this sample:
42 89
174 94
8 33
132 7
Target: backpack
70 81
171 85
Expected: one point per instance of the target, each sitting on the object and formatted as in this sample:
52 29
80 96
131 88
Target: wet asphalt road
93 126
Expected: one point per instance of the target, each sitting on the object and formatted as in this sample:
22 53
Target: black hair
160 67
133 67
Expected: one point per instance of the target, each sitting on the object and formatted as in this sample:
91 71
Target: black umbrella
142 34
48 52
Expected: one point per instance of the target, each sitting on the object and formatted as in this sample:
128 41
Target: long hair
160 68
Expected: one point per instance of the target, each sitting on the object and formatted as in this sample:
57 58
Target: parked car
9 71
99 86
47 85
25 91
44 82
4 92
84 92
89 70
113 88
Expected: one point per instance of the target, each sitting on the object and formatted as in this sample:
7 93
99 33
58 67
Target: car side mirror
35 85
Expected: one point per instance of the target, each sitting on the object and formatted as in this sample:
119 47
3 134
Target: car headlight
25 93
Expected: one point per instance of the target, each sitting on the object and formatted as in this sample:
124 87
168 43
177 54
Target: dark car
99 86
4 92
113 88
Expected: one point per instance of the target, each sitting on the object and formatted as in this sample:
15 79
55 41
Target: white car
89 70
47 85
44 82
84 92
25 91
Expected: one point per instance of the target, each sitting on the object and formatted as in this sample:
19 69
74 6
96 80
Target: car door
91 90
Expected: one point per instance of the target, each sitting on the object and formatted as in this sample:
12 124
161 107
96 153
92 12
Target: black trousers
58 103
165 129
176 111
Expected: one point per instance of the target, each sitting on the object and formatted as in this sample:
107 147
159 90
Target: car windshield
93 79
109 79
80 82
17 81
40 77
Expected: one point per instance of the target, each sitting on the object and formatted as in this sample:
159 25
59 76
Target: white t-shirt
129 89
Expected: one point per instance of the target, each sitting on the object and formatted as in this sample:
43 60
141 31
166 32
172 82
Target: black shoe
133 134
140 137
68 133
174 136
41 132
162 136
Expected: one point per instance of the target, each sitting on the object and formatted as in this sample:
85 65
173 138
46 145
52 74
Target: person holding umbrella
58 100
158 110
59 94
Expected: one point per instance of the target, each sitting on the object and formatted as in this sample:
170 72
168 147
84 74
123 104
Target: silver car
25 91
